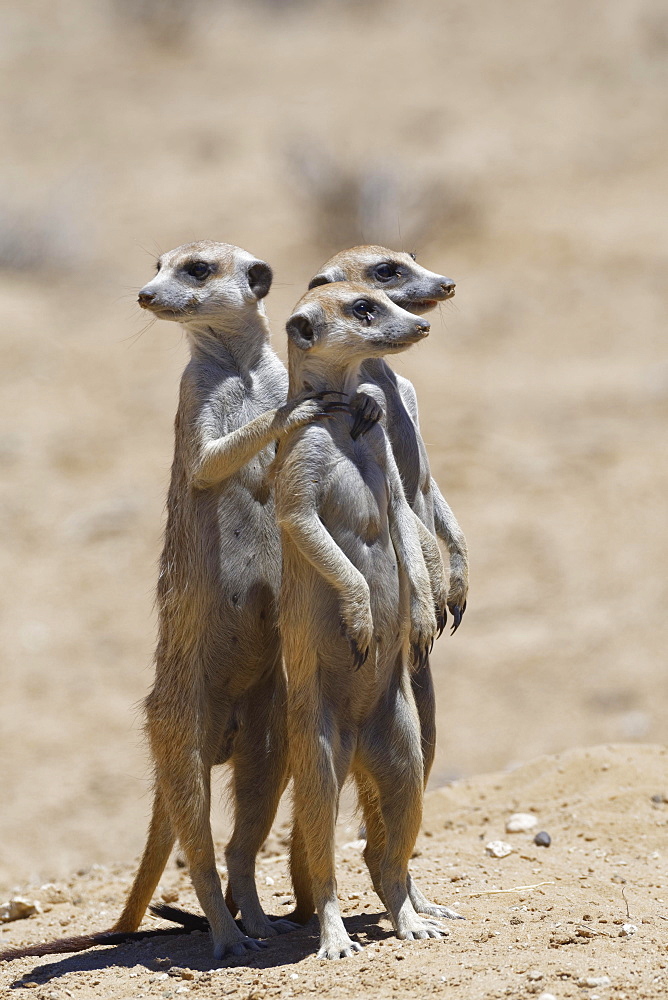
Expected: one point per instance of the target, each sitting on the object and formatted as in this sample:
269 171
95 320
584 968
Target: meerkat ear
327 277
301 332
260 277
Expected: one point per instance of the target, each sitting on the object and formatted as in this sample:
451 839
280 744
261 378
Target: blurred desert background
520 149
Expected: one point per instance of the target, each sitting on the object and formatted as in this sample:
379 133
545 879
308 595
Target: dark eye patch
363 309
198 269
384 271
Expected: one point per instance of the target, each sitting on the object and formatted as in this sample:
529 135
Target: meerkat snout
394 272
145 298
348 318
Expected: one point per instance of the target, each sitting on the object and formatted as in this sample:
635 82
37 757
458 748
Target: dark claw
358 427
441 621
335 406
457 618
359 657
419 655
361 426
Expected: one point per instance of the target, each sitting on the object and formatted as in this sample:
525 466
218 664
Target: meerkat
417 290
355 595
219 690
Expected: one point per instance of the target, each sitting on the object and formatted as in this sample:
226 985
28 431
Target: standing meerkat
417 290
355 592
219 690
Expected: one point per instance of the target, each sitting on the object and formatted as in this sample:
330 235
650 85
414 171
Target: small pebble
547 996
660 798
54 893
628 930
169 895
181 973
269 880
535 977
498 849
161 963
521 823
542 839
595 981
18 909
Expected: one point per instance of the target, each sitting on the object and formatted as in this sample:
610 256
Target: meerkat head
346 322
206 282
397 274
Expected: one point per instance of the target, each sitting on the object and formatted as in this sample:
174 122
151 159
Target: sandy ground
585 917
521 151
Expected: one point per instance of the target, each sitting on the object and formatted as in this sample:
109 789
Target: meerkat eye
157 265
412 256
199 269
384 272
363 309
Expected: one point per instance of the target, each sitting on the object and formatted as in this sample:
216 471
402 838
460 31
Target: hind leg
300 877
260 776
374 850
320 757
399 779
184 751
422 685
159 843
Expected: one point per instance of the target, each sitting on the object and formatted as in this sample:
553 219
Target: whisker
134 337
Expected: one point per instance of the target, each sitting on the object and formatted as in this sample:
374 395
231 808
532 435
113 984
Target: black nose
448 286
145 298
423 327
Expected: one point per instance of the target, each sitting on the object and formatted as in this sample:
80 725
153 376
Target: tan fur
219 691
417 290
355 594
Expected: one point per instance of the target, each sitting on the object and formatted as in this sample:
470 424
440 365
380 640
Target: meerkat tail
82 942
186 919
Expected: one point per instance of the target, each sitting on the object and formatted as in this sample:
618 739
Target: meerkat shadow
192 951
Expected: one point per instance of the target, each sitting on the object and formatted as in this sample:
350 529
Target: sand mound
585 916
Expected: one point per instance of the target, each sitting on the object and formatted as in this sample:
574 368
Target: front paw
423 631
457 593
441 604
357 627
366 412
306 408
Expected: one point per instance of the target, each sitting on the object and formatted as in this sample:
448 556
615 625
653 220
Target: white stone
547 996
595 981
628 930
498 849
18 909
354 845
521 823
